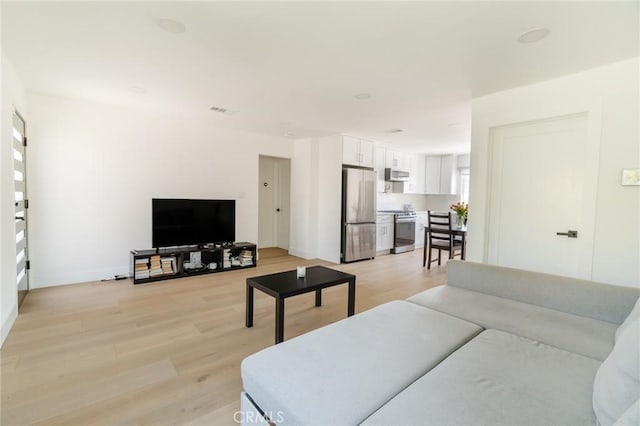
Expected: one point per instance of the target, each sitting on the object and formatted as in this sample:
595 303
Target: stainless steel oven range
404 230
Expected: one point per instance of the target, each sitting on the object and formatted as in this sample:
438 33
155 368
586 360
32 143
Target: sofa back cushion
617 384
599 301
573 333
633 316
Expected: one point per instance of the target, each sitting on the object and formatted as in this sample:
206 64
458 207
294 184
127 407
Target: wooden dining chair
440 237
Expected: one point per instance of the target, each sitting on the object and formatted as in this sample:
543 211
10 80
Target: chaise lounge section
492 346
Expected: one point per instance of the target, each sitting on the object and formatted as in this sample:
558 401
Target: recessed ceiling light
171 26
534 35
137 89
362 96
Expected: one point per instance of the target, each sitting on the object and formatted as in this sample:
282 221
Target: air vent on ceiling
218 109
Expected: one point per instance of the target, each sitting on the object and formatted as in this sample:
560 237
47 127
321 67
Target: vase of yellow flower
461 210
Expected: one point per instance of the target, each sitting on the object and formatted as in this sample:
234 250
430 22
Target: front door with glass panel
21 203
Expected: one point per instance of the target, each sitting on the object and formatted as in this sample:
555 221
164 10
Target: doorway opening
274 204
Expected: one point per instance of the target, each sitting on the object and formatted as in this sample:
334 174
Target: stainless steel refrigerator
358 214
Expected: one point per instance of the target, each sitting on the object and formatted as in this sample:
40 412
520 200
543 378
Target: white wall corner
7 324
294 251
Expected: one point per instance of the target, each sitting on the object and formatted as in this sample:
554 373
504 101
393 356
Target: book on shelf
246 258
155 272
168 265
141 272
155 265
226 258
141 269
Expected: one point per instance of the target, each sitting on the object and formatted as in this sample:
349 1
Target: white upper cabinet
441 174
448 175
380 156
357 152
350 150
432 175
367 152
396 160
416 168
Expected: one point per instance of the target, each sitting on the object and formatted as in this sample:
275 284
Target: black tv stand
175 262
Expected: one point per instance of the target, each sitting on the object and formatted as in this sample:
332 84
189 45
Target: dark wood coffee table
286 284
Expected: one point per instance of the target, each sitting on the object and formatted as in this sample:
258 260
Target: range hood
393 175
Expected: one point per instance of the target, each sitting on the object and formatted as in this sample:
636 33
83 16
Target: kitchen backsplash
390 201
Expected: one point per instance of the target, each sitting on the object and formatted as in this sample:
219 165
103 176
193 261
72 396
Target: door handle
570 234
19 218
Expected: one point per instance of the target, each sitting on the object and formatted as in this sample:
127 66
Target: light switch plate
630 177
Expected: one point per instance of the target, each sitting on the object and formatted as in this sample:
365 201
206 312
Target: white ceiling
295 67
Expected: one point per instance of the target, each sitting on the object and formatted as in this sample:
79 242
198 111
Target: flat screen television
184 222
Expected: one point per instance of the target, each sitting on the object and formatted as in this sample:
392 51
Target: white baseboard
299 253
7 324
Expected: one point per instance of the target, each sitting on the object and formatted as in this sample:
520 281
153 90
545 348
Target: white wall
316 188
329 205
93 170
420 202
12 96
613 90
302 241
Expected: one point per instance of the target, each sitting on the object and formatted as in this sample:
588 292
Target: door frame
593 112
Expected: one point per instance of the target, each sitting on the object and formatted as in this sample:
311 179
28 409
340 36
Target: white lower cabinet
384 232
421 222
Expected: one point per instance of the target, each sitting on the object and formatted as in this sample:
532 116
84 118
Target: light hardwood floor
169 352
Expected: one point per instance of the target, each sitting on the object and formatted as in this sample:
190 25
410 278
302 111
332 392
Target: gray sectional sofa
494 346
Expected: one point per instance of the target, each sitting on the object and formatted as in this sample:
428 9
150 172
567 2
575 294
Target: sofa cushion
341 373
617 383
584 336
604 302
633 316
498 379
631 417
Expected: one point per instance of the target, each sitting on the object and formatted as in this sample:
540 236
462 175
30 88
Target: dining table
456 230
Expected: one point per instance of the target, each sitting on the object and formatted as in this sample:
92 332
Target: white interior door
274 202
283 202
21 205
266 202
543 182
